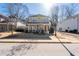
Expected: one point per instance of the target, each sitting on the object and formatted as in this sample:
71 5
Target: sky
34 8
3 9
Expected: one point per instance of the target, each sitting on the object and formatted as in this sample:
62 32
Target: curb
29 41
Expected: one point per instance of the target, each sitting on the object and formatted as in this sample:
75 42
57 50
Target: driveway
74 38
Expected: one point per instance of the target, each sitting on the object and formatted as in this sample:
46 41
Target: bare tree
54 15
17 11
62 11
68 10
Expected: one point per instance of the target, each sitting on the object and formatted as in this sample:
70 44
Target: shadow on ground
29 36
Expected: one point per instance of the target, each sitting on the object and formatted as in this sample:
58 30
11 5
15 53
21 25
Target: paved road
74 48
32 49
28 49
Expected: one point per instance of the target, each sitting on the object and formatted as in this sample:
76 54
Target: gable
39 18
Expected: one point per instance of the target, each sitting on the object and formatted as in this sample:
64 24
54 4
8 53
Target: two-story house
38 22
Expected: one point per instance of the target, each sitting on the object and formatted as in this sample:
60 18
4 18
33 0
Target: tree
54 15
68 10
17 11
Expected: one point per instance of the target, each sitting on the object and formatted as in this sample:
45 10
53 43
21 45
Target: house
21 25
18 23
69 24
38 22
10 23
4 24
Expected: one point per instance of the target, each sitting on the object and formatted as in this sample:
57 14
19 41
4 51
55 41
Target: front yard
6 34
23 35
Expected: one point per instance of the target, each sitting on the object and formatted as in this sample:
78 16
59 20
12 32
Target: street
28 49
32 49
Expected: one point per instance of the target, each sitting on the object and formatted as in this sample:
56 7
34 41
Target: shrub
26 31
66 30
19 30
71 31
75 31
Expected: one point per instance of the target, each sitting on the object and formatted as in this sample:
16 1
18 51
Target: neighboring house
18 23
4 24
11 23
69 24
21 25
38 22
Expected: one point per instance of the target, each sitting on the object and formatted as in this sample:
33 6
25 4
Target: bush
19 30
30 31
42 31
71 31
51 30
38 31
66 30
26 31
75 31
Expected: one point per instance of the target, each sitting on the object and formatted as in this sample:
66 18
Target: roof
2 16
38 19
6 19
38 15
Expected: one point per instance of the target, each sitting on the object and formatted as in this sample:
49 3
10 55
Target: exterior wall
20 25
38 23
37 19
4 27
69 24
38 27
